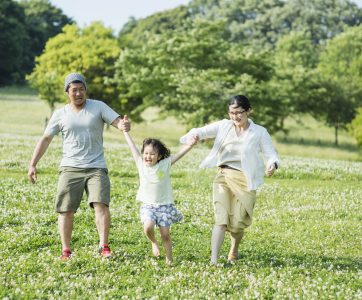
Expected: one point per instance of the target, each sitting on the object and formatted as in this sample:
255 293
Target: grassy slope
304 242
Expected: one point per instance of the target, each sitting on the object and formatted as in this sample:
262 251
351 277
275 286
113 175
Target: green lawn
305 242
309 138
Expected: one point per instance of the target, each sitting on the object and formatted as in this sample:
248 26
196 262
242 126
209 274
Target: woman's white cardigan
257 141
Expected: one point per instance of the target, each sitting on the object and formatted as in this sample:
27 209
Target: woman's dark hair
162 150
240 101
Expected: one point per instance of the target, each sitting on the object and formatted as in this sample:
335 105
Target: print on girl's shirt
160 174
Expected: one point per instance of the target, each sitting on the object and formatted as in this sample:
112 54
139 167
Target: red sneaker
66 254
105 251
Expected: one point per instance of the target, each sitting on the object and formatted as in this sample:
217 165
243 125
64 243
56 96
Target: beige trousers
233 202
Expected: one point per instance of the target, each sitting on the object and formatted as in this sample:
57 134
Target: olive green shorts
74 181
233 202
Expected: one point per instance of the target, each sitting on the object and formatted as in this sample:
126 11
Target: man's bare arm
39 151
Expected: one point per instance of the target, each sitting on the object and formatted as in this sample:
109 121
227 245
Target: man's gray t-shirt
82 133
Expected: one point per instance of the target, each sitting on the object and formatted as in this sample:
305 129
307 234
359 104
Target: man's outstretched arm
39 151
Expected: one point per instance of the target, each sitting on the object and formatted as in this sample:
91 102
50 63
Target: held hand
32 174
124 124
270 171
193 141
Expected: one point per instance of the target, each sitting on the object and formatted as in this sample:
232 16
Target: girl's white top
256 142
155 182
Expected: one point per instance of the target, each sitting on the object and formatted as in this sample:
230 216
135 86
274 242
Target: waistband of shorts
76 169
228 167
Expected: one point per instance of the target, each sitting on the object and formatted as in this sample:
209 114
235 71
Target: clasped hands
124 124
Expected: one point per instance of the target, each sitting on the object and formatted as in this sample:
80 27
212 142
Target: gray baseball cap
72 77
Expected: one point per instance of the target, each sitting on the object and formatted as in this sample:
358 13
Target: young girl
155 191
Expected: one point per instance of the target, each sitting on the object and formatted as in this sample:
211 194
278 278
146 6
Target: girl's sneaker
66 255
105 251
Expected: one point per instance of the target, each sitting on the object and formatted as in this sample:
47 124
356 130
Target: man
83 167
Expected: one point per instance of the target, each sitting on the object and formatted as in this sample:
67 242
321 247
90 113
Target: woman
237 149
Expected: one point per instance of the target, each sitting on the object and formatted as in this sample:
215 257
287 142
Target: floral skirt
161 215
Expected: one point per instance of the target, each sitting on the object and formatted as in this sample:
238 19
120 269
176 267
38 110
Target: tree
263 22
43 21
294 32
340 68
189 72
355 127
25 27
333 107
294 84
91 51
12 38
135 31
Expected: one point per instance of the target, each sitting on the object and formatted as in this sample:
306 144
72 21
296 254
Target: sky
115 13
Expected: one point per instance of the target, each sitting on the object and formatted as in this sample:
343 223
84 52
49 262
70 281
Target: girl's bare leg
149 230
167 243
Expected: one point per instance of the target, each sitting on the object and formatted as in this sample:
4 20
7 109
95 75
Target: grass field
305 242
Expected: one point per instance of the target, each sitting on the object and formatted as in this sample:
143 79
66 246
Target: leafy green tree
189 72
355 127
341 62
134 32
340 68
12 39
91 51
43 21
333 107
294 30
263 22
294 83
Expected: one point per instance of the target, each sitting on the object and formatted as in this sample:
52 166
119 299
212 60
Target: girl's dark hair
162 150
240 101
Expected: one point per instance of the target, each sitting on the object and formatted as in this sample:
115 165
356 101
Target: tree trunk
336 135
52 108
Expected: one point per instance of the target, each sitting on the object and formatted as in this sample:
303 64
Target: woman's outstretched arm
185 148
